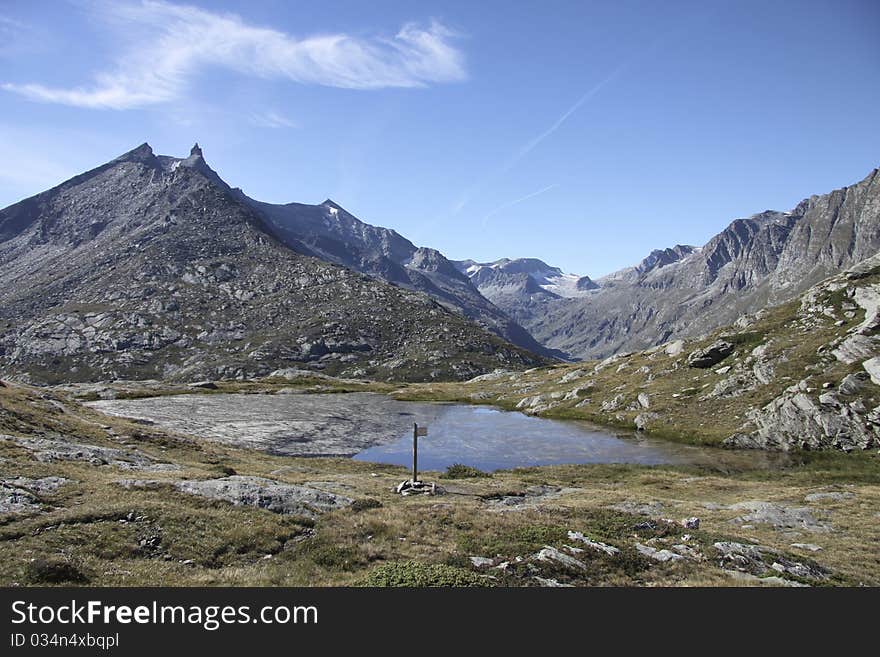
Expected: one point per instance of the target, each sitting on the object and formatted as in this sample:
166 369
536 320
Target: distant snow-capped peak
551 279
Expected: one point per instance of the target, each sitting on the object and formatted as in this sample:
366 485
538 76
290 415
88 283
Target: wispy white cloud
182 40
272 119
530 145
510 204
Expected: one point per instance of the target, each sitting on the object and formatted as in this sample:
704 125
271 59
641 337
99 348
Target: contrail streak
529 146
510 204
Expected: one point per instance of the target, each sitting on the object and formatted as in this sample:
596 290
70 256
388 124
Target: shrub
461 471
365 504
415 574
54 570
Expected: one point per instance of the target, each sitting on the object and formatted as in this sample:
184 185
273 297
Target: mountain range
686 291
152 266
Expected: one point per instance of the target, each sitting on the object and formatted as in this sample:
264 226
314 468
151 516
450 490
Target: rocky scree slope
759 261
150 267
801 375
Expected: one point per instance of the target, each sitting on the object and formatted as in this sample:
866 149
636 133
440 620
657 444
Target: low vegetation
506 529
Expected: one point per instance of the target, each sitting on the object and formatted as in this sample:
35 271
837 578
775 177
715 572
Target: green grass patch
416 574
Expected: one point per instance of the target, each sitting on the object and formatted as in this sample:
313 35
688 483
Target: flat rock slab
291 425
22 494
59 449
529 498
811 547
780 516
831 497
259 492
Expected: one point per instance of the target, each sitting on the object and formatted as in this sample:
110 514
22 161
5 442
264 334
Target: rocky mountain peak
142 153
431 260
196 151
530 266
661 257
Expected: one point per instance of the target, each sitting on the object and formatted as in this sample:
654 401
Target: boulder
613 404
691 523
643 420
852 383
711 355
657 555
553 556
577 393
610 550
762 560
674 348
491 376
855 348
810 547
572 376
203 385
22 494
872 367
482 562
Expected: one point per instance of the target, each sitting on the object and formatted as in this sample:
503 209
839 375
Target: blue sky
583 133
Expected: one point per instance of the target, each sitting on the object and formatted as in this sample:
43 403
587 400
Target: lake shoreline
376 427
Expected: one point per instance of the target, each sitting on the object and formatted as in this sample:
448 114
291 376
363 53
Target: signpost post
417 431
414 486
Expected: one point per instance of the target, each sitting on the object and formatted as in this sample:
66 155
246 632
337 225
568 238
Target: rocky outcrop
849 418
872 367
760 560
779 516
711 355
797 420
59 449
23 494
260 492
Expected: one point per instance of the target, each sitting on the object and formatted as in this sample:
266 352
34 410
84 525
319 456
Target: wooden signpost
414 486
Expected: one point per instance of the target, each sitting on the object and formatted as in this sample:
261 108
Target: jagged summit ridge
765 259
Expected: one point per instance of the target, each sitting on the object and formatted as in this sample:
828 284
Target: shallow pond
373 427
